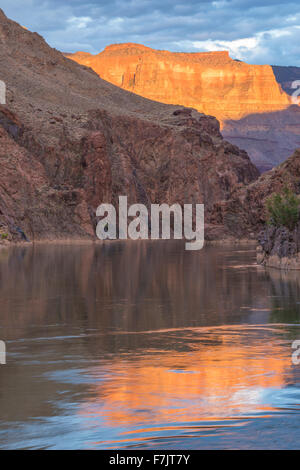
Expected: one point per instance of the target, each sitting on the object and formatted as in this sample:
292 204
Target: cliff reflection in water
144 343
137 286
210 374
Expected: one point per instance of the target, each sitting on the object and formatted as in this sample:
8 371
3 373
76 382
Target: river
136 345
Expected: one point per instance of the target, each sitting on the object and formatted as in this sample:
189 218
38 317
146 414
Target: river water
145 345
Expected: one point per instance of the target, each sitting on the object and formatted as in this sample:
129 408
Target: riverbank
80 241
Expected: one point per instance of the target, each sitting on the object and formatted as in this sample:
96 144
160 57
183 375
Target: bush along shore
279 242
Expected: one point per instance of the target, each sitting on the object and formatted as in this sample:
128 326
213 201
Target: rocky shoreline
279 248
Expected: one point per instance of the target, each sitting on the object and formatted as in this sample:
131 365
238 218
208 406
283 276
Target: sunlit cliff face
211 82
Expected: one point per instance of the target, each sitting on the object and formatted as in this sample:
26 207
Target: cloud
253 31
80 22
263 47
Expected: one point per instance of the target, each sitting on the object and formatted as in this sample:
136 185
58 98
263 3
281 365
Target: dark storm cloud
254 31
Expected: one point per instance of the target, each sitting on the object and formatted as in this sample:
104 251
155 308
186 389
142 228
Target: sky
255 31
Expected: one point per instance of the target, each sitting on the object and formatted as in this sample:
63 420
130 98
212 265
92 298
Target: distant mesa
212 83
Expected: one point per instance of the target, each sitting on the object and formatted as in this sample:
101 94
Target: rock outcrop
243 214
212 83
279 247
70 141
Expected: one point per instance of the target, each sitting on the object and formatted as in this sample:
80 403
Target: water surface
146 345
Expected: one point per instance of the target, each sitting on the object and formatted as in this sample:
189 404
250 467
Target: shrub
283 209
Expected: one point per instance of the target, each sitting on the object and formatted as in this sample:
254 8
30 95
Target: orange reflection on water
218 373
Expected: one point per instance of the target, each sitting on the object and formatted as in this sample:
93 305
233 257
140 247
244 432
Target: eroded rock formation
243 213
211 82
279 247
70 141
214 84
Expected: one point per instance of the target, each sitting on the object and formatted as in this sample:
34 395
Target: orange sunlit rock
211 82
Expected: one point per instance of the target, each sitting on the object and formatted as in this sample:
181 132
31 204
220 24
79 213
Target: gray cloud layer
252 30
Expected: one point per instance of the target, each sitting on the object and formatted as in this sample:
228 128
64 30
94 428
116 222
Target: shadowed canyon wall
70 141
244 212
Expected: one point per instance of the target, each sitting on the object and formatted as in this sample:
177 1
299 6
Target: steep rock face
244 212
212 83
28 203
71 141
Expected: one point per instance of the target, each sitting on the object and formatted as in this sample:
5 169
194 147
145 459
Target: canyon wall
212 83
71 141
244 212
